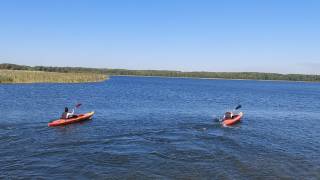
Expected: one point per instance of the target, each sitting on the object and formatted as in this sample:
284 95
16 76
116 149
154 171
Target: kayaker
66 114
228 115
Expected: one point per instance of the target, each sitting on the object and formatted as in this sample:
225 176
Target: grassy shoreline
23 76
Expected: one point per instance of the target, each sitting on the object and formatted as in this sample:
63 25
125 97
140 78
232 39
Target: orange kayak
80 117
235 119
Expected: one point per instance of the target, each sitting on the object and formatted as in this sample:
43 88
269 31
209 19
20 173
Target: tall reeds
22 76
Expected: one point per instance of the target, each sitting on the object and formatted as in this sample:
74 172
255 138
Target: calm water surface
161 128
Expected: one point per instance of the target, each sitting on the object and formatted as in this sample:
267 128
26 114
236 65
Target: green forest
164 73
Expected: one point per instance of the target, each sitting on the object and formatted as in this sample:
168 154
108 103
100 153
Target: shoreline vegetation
24 76
99 74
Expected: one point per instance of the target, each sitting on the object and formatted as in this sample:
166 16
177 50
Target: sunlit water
161 128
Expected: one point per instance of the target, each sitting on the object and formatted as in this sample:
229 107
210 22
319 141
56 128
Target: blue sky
200 35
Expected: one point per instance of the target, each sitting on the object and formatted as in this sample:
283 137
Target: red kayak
79 118
231 121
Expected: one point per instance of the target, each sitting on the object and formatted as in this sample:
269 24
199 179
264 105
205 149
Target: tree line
165 73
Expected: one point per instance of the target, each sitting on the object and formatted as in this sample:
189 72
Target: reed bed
22 76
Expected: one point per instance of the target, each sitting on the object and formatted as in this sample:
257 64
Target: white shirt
67 115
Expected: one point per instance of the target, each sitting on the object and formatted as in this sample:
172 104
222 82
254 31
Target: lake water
160 128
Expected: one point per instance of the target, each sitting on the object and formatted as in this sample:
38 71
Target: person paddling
66 114
228 115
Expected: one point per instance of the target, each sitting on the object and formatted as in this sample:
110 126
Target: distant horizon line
182 71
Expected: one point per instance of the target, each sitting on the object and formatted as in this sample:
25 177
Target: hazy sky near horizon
200 35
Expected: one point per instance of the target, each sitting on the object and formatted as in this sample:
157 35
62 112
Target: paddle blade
238 107
78 105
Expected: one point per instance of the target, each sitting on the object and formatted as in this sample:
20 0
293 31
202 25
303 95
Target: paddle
238 107
78 105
